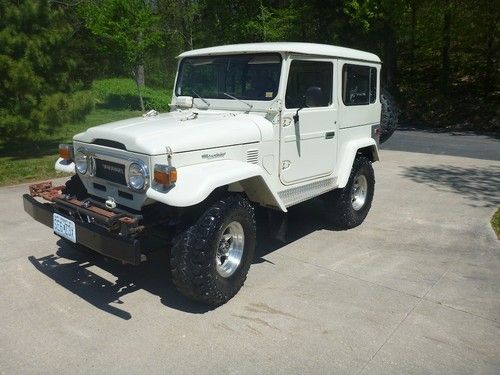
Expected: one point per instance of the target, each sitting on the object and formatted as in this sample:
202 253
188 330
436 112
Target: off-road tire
193 255
389 115
340 207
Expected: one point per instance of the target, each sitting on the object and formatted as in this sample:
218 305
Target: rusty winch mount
88 210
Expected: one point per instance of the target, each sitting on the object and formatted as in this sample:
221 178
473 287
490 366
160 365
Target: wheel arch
197 182
363 147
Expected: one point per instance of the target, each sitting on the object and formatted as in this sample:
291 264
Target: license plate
64 227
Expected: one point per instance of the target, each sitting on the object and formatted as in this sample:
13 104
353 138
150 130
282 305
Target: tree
445 47
128 29
381 20
37 69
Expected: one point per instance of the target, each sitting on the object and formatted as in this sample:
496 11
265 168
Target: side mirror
302 105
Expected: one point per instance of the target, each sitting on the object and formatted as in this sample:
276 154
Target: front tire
350 205
210 259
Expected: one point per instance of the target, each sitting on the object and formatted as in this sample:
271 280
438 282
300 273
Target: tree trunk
140 75
390 57
412 36
445 48
139 91
263 21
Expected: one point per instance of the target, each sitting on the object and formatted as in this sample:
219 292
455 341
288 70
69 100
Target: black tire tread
191 259
342 215
389 116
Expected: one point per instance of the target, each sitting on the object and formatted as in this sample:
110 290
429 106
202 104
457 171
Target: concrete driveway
415 290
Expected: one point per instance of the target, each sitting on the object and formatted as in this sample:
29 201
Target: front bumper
112 245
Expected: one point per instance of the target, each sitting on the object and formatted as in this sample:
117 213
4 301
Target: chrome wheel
359 192
230 249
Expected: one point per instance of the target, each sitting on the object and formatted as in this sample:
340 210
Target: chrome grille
110 171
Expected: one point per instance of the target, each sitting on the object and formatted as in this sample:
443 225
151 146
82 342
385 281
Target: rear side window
311 79
359 84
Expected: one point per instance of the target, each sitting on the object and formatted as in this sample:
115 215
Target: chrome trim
144 171
92 155
163 168
230 249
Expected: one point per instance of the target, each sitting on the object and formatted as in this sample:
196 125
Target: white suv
252 125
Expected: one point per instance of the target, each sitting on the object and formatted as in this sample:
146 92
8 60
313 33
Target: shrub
81 105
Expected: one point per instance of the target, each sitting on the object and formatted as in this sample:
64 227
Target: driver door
308 144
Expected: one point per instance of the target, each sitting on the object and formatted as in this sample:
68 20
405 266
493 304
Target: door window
359 84
309 84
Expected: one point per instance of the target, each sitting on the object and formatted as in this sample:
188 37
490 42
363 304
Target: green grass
495 223
115 98
34 160
121 93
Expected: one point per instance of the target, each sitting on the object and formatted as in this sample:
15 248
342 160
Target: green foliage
440 58
128 29
33 160
495 223
121 93
60 108
35 74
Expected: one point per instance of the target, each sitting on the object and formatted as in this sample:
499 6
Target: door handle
329 135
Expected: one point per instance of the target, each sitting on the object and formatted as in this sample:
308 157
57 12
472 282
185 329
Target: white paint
261 153
64 166
288 47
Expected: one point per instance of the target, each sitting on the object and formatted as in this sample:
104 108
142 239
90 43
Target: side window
359 84
309 84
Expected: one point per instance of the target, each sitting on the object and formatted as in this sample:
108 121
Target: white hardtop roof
292 47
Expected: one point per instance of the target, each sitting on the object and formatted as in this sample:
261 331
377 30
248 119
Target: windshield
249 76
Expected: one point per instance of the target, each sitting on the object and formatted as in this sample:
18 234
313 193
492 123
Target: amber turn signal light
66 151
165 175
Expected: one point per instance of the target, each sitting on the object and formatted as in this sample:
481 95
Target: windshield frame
215 99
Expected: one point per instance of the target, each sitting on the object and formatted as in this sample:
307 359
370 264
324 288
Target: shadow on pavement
71 268
481 185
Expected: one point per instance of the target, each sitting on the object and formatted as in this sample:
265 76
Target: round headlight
136 176
81 162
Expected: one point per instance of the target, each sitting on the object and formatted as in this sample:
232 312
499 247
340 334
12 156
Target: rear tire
350 205
210 259
389 116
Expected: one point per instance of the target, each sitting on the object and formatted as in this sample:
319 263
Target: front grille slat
110 171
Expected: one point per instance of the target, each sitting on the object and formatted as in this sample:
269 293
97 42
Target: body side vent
253 156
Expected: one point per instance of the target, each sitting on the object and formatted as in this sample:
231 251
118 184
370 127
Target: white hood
181 131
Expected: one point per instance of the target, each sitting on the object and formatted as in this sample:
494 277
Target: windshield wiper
203 100
238 99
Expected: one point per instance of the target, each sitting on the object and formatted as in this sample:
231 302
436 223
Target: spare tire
389 116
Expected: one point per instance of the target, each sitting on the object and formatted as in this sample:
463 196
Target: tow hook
110 203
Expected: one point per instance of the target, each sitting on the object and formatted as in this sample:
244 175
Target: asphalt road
414 290
465 144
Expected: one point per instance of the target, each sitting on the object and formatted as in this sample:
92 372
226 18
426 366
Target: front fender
196 182
349 151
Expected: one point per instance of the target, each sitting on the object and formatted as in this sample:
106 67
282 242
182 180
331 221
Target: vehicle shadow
479 185
73 269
